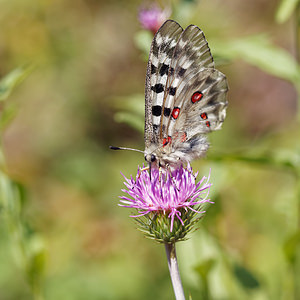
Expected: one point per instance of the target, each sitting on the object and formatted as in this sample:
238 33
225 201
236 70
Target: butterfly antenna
123 148
159 147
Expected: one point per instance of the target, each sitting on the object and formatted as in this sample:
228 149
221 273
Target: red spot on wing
183 137
207 123
175 112
197 96
203 116
166 141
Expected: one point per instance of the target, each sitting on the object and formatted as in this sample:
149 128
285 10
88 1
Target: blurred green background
72 84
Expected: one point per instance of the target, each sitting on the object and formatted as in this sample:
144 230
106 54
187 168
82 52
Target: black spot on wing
209 80
193 142
155 48
158 88
164 70
156 110
177 53
153 69
167 111
181 72
172 91
164 47
155 127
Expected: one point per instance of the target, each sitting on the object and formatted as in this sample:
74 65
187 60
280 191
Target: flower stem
297 20
174 272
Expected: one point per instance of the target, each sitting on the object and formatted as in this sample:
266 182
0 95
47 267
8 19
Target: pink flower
166 198
152 18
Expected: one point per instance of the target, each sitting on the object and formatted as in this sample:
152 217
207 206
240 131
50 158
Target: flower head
168 203
152 18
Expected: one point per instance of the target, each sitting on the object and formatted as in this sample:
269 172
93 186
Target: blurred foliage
62 235
7 84
134 113
259 51
10 81
286 9
28 248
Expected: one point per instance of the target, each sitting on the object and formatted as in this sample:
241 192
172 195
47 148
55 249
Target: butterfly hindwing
202 99
203 110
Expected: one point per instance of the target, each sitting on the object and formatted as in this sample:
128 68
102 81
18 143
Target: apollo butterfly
185 96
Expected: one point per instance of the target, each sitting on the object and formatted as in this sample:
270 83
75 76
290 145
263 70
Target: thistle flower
168 203
152 18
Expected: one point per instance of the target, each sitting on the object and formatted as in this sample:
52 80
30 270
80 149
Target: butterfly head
155 160
150 158
158 157
151 155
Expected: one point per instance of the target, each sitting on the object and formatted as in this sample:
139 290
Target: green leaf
285 10
132 109
280 160
9 195
291 247
37 261
204 268
12 79
245 277
130 119
133 103
259 51
142 40
7 115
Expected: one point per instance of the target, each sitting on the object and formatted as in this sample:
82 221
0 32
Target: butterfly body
185 96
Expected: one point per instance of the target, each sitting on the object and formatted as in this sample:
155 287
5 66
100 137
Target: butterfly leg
169 170
140 173
159 176
195 177
144 169
141 170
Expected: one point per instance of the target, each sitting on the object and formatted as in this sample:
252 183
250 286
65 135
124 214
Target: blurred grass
86 93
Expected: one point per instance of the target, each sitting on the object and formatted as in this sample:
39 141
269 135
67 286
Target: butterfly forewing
160 56
191 54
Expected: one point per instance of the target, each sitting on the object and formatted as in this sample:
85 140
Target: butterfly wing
161 53
185 95
191 55
202 103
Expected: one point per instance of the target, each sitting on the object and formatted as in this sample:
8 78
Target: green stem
174 271
37 294
296 265
297 46
297 19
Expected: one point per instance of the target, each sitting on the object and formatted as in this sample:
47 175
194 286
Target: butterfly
185 97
